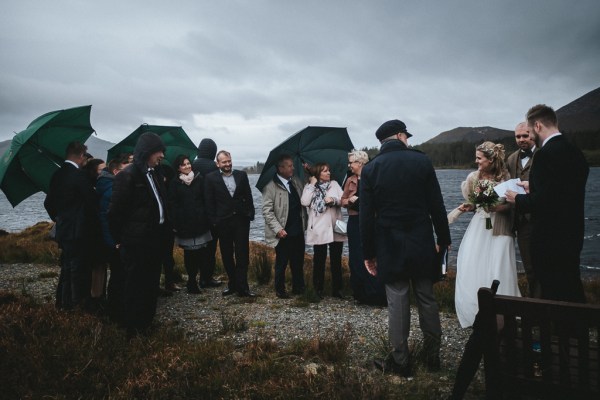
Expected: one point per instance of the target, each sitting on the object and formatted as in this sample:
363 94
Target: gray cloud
250 73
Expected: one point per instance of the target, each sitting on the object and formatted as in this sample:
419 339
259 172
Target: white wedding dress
482 258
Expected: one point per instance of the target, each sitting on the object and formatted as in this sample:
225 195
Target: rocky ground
267 317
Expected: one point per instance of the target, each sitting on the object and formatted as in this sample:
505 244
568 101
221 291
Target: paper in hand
510 184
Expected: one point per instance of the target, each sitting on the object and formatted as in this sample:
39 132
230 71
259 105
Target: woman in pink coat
322 197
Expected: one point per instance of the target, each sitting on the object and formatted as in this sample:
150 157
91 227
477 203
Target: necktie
525 153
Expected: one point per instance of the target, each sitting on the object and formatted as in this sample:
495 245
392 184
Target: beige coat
276 206
320 227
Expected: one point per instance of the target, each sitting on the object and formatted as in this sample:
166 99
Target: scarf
187 179
319 197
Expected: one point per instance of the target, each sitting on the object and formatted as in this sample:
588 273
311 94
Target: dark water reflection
32 210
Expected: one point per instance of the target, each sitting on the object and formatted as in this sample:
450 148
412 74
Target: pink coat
320 227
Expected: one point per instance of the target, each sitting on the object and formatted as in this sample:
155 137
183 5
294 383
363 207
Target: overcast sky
250 73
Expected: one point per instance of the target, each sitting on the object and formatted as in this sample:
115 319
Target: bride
485 254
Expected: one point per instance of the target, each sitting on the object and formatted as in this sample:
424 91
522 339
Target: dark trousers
366 288
141 266
115 296
208 271
234 234
523 237
195 262
75 278
335 261
290 249
168 262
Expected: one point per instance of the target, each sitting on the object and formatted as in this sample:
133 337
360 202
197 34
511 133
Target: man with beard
555 199
519 164
230 209
139 225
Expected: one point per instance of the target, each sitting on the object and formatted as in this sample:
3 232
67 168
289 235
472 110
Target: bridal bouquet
484 197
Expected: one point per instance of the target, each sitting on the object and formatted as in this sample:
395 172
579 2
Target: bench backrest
540 348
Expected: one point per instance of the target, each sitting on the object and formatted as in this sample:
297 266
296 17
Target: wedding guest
322 197
519 164
400 206
365 287
285 222
485 254
190 223
556 201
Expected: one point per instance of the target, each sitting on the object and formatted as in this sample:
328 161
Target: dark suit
556 202
72 203
400 205
231 215
522 222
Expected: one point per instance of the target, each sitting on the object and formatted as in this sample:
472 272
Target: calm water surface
32 210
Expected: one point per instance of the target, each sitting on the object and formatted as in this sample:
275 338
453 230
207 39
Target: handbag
340 227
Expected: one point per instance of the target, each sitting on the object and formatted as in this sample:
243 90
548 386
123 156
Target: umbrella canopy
174 137
311 145
37 152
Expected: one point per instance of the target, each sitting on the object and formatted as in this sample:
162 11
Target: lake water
32 210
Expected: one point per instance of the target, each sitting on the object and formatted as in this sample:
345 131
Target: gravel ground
267 317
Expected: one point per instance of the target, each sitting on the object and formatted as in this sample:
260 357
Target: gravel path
266 317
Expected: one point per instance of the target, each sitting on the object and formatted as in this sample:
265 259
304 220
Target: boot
191 267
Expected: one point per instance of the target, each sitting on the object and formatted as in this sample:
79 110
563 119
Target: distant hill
581 115
471 135
96 147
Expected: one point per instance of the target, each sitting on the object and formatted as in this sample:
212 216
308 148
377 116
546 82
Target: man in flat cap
401 205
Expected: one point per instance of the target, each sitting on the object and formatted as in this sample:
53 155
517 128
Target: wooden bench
539 348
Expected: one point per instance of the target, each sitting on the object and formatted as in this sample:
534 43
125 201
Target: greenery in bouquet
484 197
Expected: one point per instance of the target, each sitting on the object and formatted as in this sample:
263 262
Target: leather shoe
247 293
390 366
283 295
337 294
210 283
228 292
171 287
194 289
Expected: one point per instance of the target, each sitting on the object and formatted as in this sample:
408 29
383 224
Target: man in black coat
230 209
139 224
71 203
401 205
203 165
556 202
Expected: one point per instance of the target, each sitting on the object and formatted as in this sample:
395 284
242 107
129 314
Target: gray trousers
399 314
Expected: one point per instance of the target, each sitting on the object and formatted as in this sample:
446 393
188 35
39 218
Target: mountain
581 115
471 135
96 147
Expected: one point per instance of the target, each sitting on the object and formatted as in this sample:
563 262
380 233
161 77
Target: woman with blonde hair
487 250
365 287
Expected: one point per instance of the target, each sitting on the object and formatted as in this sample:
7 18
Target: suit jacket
220 204
516 170
72 203
556 202
400 206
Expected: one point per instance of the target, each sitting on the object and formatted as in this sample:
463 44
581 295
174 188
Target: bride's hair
495 153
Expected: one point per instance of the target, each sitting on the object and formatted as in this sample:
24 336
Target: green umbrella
37 152
174 137
311 145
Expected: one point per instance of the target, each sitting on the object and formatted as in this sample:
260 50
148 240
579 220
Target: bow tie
525 153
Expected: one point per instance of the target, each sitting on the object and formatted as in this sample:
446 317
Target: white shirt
550 137
524 160
71 162
286 183
160 207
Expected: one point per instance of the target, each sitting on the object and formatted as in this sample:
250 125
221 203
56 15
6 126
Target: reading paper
510 184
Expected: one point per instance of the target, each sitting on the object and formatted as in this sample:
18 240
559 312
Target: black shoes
282 295
193 289
389 366
228 292
172 287
210 283
247 293
338 294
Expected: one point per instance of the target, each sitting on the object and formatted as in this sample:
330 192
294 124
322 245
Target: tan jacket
516 170
350 189
275 208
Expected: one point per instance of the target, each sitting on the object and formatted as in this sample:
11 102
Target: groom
555 199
